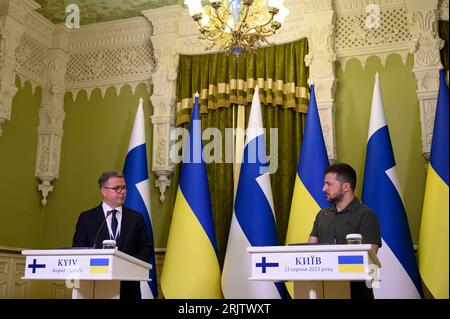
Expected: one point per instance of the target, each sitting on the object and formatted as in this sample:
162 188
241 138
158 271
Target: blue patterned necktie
114 223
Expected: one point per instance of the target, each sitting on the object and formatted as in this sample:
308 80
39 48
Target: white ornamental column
426 48
12 18
51 114
319 26
165 38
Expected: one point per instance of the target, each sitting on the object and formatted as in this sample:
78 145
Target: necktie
114 223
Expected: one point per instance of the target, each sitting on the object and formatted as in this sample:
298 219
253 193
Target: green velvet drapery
279 71
281 75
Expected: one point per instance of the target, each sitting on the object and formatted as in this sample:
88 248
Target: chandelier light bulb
275 3
281 15
194 7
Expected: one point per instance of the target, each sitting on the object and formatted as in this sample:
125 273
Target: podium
92 273
318 271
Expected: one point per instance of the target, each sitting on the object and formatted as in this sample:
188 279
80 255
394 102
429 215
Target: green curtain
221 81
223 84
443 32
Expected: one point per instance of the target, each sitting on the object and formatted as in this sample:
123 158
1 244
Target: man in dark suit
127 227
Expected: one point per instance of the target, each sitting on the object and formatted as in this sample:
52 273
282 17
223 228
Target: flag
433 238
308 198
135 172
381 192
253 220
191 265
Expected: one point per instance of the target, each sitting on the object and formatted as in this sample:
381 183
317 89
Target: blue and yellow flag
433 238
308 197
191 266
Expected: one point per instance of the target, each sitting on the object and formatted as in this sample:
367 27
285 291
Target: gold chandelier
237 26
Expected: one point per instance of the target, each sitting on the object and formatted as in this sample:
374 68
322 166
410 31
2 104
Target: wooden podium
92 273
318 271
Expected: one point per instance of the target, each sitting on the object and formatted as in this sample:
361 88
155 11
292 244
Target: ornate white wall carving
426 46
51 116
443 10
164 39
357 37
12 15
319 19
110 54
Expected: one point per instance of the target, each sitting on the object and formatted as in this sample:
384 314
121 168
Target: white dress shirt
107 209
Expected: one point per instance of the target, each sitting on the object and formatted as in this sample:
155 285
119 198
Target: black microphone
98 231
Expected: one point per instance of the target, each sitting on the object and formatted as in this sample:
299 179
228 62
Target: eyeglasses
119 188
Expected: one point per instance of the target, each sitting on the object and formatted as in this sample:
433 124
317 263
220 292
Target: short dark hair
344 173
106 176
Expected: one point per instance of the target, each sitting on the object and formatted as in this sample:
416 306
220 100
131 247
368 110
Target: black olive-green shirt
331 226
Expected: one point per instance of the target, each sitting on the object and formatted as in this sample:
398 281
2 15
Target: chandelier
237 26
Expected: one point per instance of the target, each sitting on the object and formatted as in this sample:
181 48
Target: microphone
98 231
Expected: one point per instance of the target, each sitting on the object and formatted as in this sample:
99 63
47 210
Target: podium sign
326 263
92 273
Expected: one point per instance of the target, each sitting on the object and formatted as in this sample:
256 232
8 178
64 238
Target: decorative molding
114 34
110 67
317 5
164 91
357 6
355 40
30 57
10 33
443 10
162 126
168 20
18 9
51 119
426 46
321 59
110 54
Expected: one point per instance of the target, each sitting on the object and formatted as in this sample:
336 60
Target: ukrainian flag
308 198
191 266
99 265
433 238
351 263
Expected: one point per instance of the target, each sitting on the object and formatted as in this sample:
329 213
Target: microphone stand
98 231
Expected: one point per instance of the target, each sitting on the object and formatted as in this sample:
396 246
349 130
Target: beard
337 197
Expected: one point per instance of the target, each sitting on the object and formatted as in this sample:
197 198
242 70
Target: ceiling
93 11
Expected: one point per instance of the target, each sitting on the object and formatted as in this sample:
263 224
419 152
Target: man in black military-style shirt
348 215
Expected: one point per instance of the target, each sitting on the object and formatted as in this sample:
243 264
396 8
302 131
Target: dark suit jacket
133 240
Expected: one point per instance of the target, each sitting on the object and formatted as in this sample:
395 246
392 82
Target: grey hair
103 179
